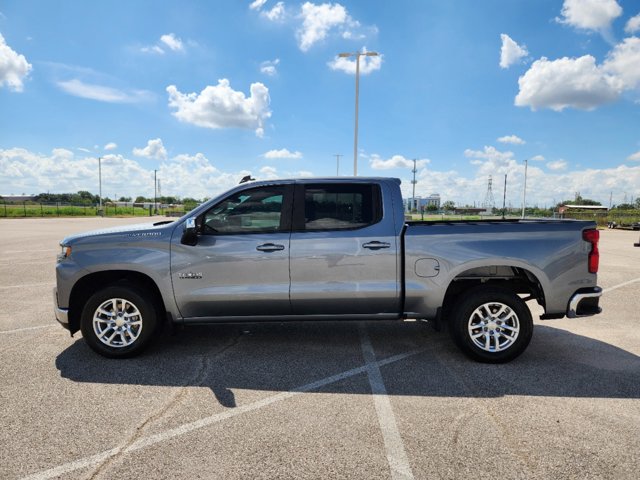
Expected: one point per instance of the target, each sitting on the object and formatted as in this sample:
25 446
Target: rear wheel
491 324
119 321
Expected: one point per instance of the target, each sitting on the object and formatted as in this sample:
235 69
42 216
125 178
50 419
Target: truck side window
341 206
251 211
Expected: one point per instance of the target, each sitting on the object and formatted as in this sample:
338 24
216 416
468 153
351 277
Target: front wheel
118 321
491 324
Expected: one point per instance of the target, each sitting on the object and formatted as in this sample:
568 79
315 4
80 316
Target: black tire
491 324
122 338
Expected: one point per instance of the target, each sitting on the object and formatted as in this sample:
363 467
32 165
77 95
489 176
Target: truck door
344 254
240 264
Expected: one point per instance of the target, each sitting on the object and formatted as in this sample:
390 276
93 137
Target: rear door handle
375 245
270 247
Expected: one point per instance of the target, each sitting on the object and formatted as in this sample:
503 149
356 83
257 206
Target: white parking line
396 455
28 285
41 262
211 420
29 251
27 328
624 284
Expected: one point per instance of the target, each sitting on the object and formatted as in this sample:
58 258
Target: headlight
66 252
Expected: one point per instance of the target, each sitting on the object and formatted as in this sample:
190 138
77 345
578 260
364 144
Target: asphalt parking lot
313 400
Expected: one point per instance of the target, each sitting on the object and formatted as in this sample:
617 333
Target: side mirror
190 234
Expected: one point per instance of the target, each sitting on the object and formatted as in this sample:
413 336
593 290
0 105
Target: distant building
18 198
420 203
593 208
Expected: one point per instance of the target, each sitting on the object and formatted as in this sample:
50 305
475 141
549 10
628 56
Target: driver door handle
270 247
375 245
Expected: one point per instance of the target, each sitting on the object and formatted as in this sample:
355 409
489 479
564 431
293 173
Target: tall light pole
524 191
338 155
355 135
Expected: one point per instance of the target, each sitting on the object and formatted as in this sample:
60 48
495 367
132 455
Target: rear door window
341 206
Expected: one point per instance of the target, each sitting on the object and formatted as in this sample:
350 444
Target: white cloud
634 157
511 52
269 67
367 64
594 15
276 13
282 153
78 88
396 161
317 21
111 146
269 172
580 82
513 139
61 171
220 106
489 153
13 67
188 175
557 165
154 149
152 49
257 4
168 41
633 25
537 158
624 62
567 82
544 187
173 42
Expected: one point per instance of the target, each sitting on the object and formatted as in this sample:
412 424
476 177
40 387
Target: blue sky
206 92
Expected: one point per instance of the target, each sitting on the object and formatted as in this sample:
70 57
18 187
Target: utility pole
414 181
155 192
100 183
504 196
337 155
524 192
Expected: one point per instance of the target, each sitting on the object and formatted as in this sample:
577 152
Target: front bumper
584 302
62 314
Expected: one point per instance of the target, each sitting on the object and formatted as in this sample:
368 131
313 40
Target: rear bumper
62 314
584 302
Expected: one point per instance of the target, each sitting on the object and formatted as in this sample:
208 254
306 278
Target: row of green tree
87 198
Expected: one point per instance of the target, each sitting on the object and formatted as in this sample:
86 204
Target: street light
524 191
355 135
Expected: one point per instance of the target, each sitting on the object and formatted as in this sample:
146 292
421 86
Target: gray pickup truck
325 249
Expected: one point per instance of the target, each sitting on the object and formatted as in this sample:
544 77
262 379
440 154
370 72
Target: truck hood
137 230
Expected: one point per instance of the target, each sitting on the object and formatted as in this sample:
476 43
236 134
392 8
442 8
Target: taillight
592 236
